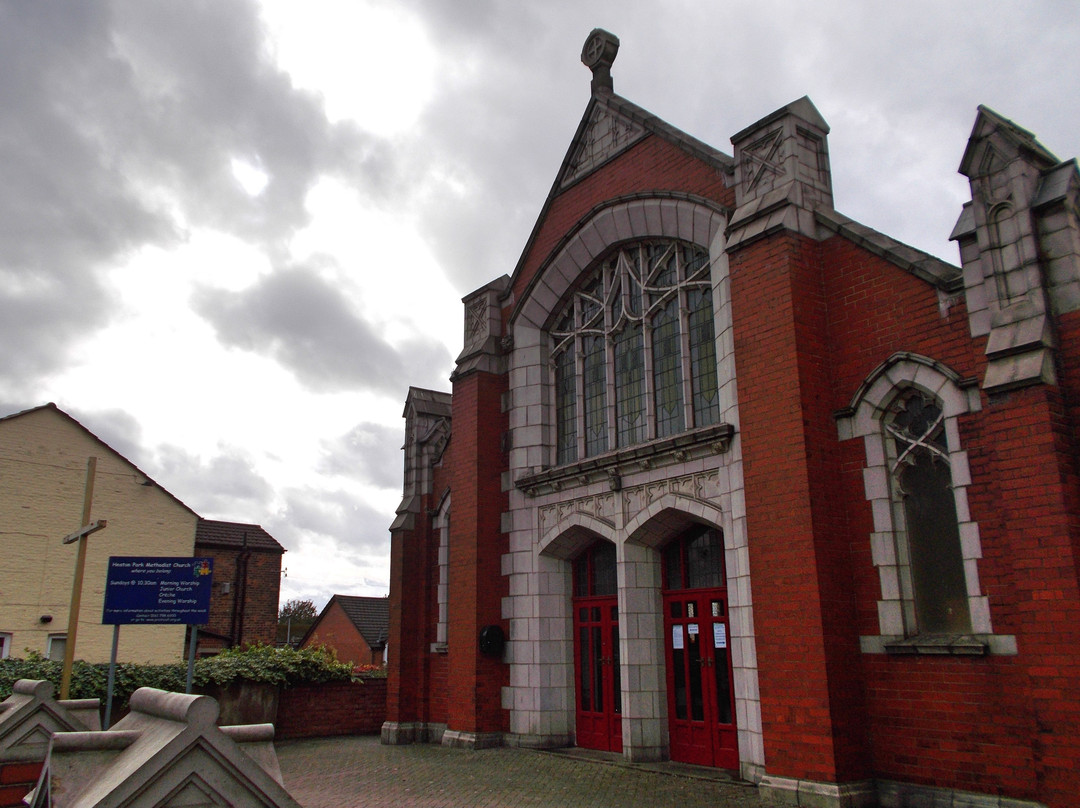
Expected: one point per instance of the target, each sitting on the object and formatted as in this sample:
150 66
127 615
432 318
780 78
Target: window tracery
633 350
928 533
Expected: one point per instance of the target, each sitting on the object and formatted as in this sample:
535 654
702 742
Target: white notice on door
719 635
676 638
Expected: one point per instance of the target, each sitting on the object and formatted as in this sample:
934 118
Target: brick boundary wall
333 708
16 781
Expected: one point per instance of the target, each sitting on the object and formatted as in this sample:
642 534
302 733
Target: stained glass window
633 350
924 484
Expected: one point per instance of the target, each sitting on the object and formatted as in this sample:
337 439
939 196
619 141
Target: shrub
259 663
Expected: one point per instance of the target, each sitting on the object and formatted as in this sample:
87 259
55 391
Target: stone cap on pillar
483 329
30 716
1019 240
168 751
781 173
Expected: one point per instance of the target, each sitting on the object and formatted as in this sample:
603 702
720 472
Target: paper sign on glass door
676 638
719 635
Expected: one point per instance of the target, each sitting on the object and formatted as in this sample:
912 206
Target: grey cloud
119 429
226 486
305 324
503 122
370 453
356 529
119 122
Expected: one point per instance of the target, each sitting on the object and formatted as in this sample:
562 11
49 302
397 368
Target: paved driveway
359 771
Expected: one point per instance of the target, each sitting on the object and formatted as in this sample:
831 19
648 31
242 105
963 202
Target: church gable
605 135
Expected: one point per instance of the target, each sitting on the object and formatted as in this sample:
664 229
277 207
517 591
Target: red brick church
728 478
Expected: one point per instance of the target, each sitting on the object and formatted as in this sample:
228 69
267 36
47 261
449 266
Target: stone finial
598 54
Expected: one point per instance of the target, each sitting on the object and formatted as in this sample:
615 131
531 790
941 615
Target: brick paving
359 771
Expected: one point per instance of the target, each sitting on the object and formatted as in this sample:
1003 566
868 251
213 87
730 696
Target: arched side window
633 350
926 527
925 545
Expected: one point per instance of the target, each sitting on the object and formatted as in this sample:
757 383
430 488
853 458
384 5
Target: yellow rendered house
44 459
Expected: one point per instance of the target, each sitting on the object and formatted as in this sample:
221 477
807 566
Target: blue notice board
152 590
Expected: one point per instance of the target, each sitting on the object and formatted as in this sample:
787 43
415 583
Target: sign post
141 590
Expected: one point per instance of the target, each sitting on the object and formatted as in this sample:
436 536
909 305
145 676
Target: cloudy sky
233 233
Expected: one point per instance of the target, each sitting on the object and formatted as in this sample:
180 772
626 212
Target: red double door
701 708
701 703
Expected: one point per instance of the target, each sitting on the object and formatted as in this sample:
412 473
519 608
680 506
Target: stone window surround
634 218
5 644
863 418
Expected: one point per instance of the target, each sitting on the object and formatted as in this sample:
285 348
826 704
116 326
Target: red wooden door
701 699
700 696
599 696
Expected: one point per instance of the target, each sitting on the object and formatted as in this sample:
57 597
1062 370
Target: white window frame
5 644
49 645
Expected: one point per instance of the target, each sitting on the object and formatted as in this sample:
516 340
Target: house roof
370 616
211 533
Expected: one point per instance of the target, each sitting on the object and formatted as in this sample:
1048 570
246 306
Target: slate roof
428 402
211 533
371 616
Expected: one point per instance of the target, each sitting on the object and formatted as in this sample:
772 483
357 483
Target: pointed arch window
925 544
634 350
929 532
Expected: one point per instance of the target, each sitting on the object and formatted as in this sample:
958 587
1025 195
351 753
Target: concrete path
359 772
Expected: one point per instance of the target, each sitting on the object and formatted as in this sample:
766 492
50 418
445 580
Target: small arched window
633 350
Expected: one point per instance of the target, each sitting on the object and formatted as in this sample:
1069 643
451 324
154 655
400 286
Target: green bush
259 663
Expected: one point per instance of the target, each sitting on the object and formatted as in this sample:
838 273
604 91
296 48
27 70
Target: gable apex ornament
598 54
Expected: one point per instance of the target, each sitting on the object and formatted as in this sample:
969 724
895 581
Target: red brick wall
652 166
477 545
335 630
248 611
411 570
333 708
416 689
779 352
999 723
16 781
